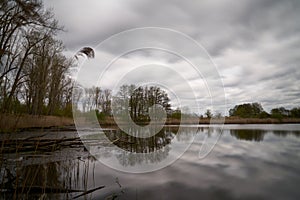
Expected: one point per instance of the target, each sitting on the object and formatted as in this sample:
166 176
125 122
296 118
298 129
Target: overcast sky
254 43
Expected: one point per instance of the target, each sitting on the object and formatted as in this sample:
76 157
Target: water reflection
283 133
258 135
130 152
157 148
141 145
253 170
249 135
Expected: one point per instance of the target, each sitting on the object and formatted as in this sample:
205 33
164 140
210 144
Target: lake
248 162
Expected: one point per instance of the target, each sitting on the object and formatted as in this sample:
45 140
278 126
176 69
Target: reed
10 122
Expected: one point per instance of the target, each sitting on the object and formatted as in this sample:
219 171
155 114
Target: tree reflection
130 143
133 150
283 133
249 135
258 135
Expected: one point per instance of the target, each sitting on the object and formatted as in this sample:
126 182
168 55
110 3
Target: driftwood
43 145
39 189
33 144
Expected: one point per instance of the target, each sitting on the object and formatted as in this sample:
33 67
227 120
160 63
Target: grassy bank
17 122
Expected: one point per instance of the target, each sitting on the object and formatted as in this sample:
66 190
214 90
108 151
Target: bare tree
21 23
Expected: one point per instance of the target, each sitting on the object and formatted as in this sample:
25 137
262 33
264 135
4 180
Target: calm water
248 162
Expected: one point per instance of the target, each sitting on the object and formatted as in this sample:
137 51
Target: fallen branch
89 191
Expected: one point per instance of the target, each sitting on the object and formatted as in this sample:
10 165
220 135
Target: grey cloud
228 22
255 43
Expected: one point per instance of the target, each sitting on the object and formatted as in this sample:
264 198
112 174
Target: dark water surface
248 162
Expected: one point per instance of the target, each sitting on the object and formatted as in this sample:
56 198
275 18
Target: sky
252 47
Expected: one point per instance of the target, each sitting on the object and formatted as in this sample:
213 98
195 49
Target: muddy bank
17 122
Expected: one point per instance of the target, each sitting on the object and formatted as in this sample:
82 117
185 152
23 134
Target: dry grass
236 120
15 122
228 120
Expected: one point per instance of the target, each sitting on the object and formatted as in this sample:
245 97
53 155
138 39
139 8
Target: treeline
34 72
91 99
138 100
132 99
255 110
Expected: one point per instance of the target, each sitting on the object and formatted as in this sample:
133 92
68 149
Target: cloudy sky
255 44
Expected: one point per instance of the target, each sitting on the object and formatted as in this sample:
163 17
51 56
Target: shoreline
10 122
228 120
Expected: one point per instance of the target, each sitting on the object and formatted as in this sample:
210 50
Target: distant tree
208 113
218 115
295 112
247 110
280 113
264 114
176 114
257 109
138 100
105 102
